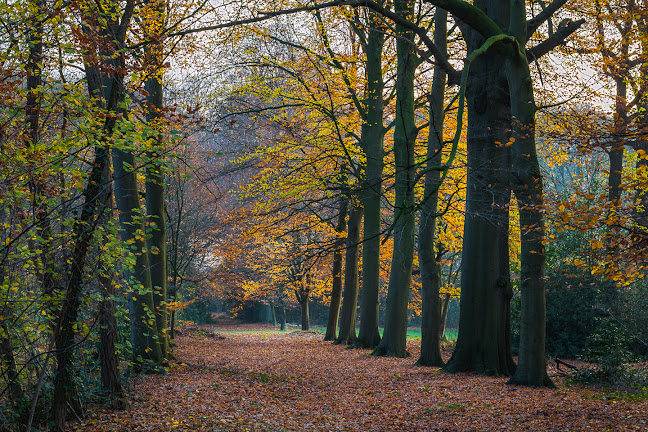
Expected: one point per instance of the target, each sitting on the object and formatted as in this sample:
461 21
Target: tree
372 42
393 342
336 273
347 333
431 313
153 27
485 283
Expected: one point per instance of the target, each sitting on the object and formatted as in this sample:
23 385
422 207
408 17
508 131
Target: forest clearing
295 381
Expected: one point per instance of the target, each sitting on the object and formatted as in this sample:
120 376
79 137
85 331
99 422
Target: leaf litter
295 381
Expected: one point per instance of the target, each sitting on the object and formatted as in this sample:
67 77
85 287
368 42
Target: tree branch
565 29
536 21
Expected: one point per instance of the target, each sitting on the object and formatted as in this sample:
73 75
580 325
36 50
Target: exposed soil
294 381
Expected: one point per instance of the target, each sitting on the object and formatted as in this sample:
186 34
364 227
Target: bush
198 311
572 316
608 346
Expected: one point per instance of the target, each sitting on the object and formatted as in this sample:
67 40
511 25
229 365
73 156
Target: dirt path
298 382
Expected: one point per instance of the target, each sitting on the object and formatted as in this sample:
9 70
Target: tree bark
526 181
444 317
283 317
109 338
8 363
97 195
374 132
305 314
273 312
348 314
393 342
430 268
146 349
481 344
336 289
155 190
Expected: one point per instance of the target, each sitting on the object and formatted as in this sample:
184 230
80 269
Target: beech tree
405 133
431 314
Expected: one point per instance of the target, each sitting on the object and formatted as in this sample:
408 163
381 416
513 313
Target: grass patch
451 335
249 331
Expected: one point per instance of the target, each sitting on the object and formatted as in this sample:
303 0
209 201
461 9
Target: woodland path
295 381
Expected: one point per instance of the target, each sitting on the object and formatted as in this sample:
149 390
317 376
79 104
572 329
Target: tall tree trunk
146 349
374 132
97 195
526 181
430 268
481 344
37 184
155 195
347 333
641 197
336 290
616 152
273 313
393 342
108 332
641 166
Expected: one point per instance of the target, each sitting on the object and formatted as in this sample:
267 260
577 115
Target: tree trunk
146 349
155 194
8 363
444 317
394 340
430 268
96 200
96 196
37 183
336 290
481 345
350 302
273 312
305 314
374 132
526 180
641 166
109 338
283 317
172 296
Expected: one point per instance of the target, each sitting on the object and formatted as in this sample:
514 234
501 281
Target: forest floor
294 381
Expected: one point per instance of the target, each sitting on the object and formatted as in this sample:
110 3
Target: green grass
248 331
416 334
411 333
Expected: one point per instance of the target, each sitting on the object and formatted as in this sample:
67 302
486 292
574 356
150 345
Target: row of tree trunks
501 159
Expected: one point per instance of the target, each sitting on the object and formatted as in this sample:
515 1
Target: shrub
573 310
